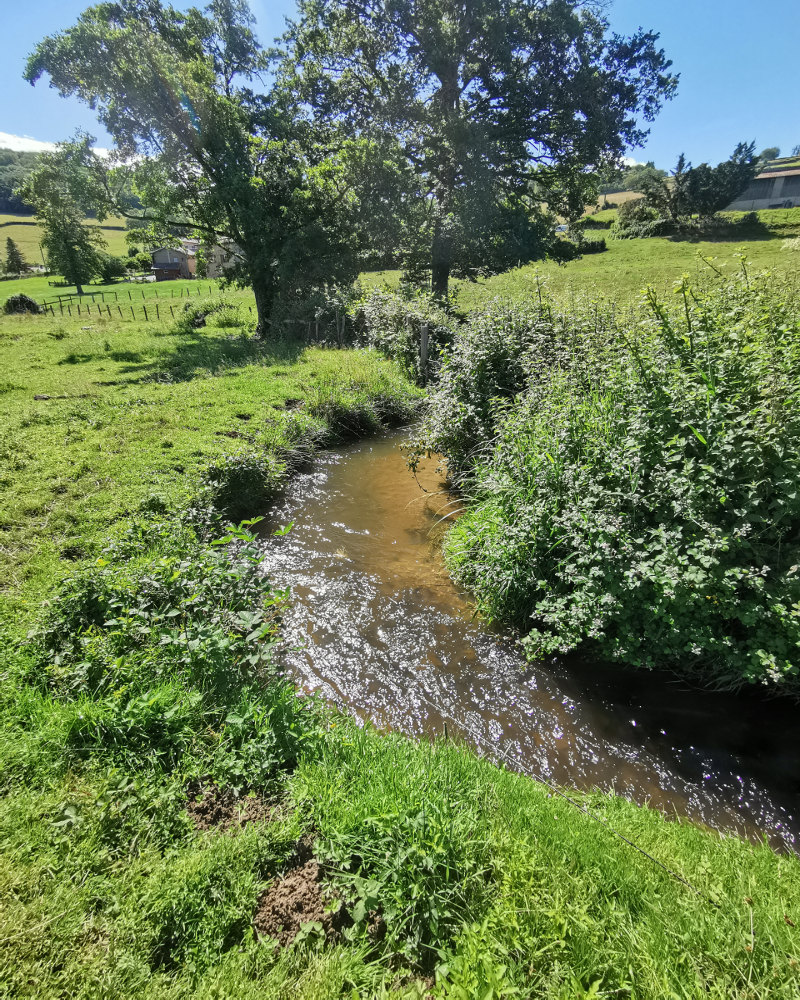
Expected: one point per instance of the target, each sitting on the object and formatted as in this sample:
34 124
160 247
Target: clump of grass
242 482
506 890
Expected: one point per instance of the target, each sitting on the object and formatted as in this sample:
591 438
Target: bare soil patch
213 808
297 899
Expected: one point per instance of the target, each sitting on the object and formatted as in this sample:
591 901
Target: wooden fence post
423 351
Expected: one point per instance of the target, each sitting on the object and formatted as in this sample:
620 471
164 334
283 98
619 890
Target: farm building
777 186
220 258
170 263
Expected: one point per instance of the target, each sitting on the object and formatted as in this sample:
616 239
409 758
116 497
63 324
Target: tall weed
633 485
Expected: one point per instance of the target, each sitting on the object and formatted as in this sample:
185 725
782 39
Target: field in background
25 232
616 199
629 266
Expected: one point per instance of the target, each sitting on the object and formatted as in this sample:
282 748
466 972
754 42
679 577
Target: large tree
702 190
213 146
73 249
63 188
492 100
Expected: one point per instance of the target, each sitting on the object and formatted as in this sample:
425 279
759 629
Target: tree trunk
264 294
440 263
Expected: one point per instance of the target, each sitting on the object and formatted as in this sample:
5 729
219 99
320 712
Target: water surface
377 626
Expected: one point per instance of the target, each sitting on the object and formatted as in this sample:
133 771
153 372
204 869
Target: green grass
25 232
486 883
136 411
151 665
623 272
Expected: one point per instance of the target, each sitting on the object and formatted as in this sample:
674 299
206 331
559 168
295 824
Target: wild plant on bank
633 485
165 647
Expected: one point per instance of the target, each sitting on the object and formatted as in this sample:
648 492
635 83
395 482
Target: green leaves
497 106
638 492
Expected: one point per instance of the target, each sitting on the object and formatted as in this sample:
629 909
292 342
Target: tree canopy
496 104
703 190
444 130
62 188
211 144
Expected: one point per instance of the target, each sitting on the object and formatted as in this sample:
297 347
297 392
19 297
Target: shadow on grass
211 351
122 356
745 230
208 351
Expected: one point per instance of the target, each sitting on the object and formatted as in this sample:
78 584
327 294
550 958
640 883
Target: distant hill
14 168
25 232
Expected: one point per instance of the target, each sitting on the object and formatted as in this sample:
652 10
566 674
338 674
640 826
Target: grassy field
25 232
41 289
617 198
134 410
176 823
629 266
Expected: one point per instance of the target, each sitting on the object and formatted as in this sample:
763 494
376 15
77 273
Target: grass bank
105 419
175 822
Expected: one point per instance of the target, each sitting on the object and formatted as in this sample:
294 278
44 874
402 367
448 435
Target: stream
377 626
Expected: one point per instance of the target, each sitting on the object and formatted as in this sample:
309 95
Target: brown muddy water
377 626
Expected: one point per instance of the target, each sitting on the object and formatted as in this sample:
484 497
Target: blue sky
737 60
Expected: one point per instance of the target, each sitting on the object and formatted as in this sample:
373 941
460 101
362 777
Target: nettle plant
166 645
642 495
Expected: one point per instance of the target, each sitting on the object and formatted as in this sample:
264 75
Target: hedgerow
634 485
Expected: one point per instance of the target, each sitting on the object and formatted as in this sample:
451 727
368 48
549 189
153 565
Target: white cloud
24 143
627 161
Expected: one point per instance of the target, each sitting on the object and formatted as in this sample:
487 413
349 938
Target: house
777 186
221 258
170 263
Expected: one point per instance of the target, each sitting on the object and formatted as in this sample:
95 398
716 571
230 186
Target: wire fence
124 304
126 295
